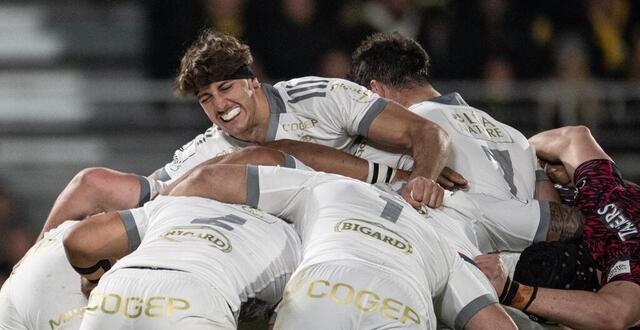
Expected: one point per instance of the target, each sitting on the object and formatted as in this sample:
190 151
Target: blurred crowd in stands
466 39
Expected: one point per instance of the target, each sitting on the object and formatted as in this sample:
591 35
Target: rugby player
509 196
43 291
610 205
369 259
184 263
327 111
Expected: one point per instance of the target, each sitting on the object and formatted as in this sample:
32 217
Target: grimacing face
231 105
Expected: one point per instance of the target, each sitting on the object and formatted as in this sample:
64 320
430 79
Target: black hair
390 58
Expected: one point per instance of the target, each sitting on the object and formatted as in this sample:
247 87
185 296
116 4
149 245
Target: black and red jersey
611 207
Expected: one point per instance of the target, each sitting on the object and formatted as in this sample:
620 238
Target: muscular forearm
430 150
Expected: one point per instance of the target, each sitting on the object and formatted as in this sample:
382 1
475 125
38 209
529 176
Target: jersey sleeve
342 105
203 147
466 292
135 222
276 190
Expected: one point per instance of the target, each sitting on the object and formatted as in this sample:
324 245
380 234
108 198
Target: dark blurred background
89 83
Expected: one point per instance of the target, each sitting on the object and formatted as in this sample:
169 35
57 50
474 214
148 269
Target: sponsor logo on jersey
376 231
300 125
620 267
478 126
364 300
66 317
357 93
615 220
135 307
213 237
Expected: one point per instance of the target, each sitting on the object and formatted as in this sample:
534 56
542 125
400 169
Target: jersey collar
449 99
276 107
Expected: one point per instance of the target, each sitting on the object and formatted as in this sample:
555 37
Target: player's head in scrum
216 70
392 66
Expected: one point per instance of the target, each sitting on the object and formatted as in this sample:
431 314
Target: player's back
241 251
495 158
43 292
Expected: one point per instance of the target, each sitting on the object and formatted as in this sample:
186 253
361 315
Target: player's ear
375 86
254 82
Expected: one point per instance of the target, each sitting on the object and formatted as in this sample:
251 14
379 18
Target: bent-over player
186 263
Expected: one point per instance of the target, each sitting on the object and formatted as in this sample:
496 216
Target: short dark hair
390 58
211 57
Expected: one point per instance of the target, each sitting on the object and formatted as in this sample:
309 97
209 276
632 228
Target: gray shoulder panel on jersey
276 107
541 176
129 223
253 186
162 174
472 309
289 161
543 225
450 99
374 110
145 190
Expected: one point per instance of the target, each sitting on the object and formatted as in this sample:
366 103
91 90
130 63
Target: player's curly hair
390 58
211 57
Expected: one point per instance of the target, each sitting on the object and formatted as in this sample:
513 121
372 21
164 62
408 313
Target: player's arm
97 189
614 306
398 129
571 145
330 160
92 243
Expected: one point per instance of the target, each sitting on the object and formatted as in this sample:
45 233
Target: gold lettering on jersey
300 125
135 307
364 300
357 93
67 317
206 233
376 231
476 125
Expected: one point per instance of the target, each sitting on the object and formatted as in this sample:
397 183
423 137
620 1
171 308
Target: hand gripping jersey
43 292
612 211
342 220
326 111
498 162
239 251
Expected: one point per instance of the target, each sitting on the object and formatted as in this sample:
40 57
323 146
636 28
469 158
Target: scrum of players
322 203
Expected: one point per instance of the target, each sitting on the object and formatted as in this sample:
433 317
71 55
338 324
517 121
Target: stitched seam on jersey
307 96
253 186
302 89
307 82
471 309
374 110
543 225
129 222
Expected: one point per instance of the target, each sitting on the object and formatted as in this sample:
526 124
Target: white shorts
351 295
132 298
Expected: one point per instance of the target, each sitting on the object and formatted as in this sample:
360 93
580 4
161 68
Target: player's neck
260 124
417 94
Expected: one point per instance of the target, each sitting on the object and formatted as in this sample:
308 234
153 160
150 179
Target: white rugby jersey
343 219
495 158
43 292
327 111
240 251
